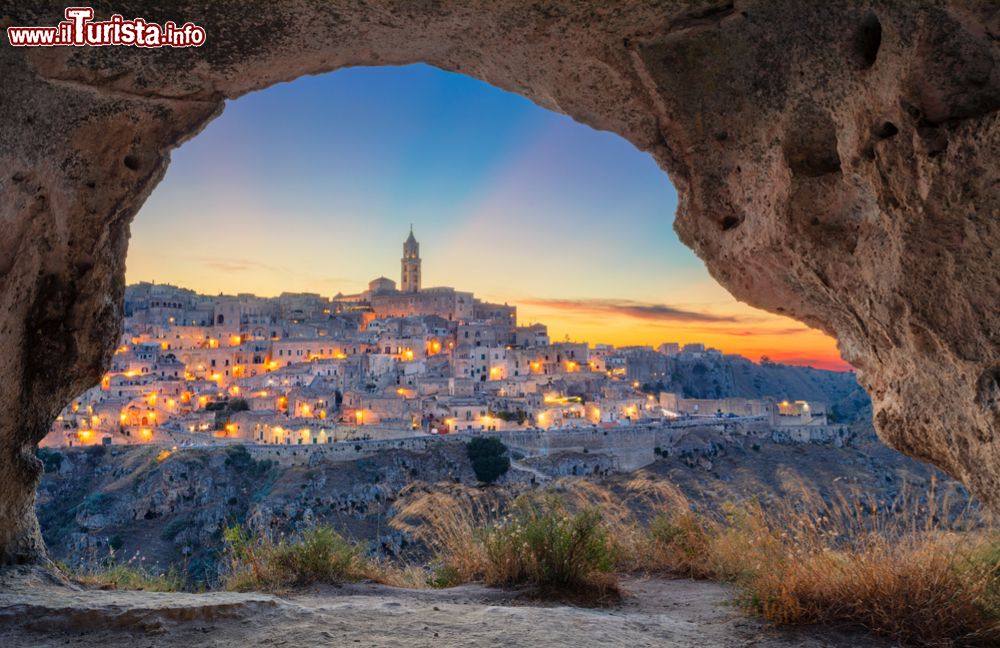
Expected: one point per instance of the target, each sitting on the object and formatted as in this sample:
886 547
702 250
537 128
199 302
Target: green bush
51 459
489 458
542 544
174 527
239 459
319 555
445 576
517 416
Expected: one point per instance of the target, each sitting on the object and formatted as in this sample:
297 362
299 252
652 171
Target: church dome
381 285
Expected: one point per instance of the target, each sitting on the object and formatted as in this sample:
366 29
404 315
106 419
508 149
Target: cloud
235 265
796 330
630 308
831 363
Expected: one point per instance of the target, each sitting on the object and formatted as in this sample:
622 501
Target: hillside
170 508
732 375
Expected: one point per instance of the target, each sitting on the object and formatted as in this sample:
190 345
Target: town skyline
407 358
699 331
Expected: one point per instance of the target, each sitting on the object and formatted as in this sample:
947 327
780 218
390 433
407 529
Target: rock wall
627 447
836 162
172 508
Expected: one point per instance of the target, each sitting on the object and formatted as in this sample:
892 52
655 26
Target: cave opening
110 118
308 187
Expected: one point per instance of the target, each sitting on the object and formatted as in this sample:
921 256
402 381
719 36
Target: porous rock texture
836 162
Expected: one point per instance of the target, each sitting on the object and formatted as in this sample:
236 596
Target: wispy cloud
831 363
236 265
630 308
795 330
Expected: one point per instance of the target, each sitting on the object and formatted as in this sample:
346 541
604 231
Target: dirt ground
37 612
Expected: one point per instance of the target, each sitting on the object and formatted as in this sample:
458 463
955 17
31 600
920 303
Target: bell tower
410 265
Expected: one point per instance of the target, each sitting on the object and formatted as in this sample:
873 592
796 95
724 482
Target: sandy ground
663 613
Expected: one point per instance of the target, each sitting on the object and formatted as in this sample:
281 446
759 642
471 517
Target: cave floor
35 611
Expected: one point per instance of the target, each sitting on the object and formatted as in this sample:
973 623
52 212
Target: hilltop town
389 362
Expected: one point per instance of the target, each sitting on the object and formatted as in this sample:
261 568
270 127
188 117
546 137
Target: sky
311 186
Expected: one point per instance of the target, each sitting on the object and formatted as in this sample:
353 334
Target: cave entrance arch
833 164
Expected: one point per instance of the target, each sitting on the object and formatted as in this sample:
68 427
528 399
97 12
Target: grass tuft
319 556
111 574
538 542
542 544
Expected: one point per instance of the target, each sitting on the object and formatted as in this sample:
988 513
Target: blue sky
312 185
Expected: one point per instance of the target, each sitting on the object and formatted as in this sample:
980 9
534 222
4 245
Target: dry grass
449 521
922 576
319 556
916 570
133 574
933 591
399 575
625 512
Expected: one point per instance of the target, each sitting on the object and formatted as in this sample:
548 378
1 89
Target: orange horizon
796 344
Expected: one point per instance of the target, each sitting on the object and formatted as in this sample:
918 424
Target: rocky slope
712 376
171 508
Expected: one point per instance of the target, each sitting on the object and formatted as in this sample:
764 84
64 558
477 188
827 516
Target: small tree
51 459
489 458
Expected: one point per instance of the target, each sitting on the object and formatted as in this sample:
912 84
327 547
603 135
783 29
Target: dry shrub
478 535
542 544
930 584
920 574
927 591
319 555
